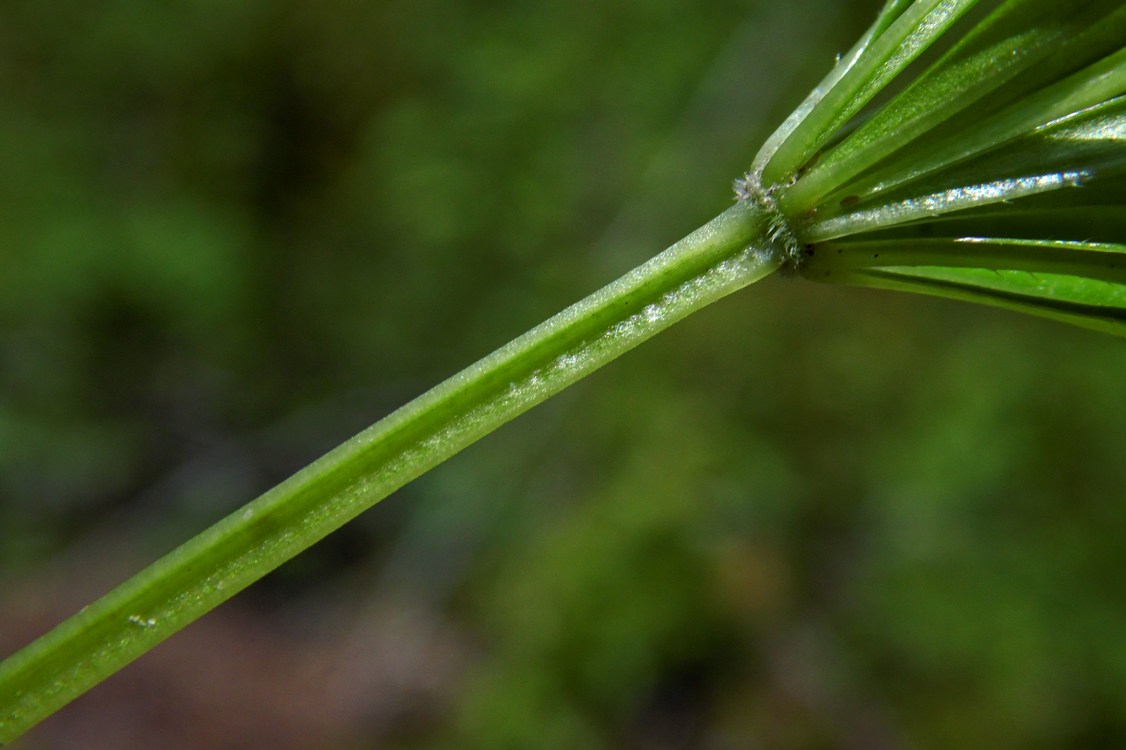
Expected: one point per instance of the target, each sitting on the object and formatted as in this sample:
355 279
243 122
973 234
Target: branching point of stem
735 249
749 189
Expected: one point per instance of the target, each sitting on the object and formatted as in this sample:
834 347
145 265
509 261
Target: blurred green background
234 234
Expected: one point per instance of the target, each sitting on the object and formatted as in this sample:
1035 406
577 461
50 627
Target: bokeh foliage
233 234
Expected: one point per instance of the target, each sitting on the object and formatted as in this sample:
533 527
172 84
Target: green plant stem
726 254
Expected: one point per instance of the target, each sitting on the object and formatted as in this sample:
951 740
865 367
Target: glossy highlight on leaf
993 174
859 77
1015 39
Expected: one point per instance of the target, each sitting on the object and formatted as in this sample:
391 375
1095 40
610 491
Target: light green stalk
727 254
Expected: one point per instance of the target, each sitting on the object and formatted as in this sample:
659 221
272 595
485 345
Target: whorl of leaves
968 149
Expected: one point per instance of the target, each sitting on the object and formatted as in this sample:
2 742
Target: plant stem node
779 236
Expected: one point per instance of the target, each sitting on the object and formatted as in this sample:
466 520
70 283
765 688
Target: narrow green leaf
888 15
1068 153
1099 82
891 11
904 39
1103 261
1104 224
1096 305
1021 35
